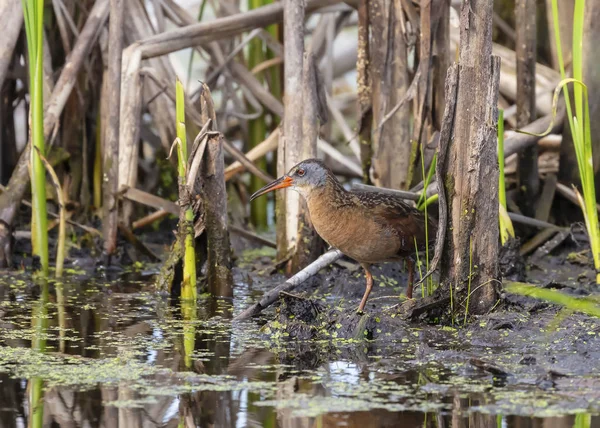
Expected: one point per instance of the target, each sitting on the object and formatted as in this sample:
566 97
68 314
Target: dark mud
115 352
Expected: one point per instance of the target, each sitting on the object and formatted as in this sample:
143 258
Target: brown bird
369 227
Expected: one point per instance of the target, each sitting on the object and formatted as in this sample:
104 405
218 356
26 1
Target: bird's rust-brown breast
366 227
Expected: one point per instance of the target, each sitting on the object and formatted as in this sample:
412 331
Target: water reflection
39 323
116 355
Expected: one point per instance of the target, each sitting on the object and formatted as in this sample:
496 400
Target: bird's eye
300 172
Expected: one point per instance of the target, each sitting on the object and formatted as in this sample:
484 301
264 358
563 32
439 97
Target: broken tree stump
470 259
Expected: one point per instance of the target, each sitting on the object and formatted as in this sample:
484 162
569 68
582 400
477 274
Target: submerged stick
270 297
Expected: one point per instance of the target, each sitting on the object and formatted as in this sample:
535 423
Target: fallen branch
271 296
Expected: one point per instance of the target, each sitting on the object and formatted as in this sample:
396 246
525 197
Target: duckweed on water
136 343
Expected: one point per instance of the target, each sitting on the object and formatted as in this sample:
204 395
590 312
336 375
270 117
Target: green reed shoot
506 227
585 305
583 420
579 124
33 13
422 204
62 217
186 227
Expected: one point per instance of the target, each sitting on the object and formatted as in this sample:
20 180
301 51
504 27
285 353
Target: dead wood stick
329 150
533 222
517 218
254 154
85 228
267 64
220 28
252 84
236 50
519 141
270 297
569 194
538 240
145 198
110 144
249 82
400 193
167 207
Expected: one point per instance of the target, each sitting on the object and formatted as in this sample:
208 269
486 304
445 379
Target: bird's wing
407 221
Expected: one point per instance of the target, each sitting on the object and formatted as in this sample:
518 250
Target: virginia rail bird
369 227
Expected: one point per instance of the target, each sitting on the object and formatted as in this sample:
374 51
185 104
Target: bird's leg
369 277
410 265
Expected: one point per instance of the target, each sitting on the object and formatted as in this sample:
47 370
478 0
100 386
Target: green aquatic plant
422 205
579 124
583 420
186 226
62 217
585 305
506 227
33 13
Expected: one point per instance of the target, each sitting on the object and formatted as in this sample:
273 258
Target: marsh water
105 350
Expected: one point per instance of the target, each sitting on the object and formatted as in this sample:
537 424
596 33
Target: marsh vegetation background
140 286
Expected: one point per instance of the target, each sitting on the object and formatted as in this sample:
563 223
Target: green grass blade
33 15
578 304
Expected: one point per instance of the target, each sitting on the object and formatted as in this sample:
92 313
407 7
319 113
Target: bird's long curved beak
280 183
